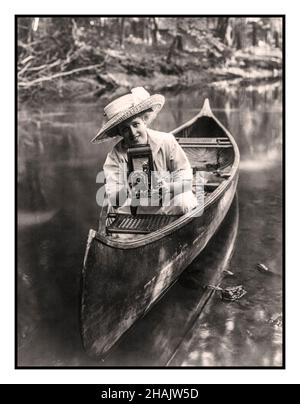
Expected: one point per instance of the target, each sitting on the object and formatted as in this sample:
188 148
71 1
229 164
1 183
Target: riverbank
116 71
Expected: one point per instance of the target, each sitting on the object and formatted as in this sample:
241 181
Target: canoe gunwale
188 217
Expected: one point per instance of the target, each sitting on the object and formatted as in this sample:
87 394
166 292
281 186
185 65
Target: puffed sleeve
179 164
115 173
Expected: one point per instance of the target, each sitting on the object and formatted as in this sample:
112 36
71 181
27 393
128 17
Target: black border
283 17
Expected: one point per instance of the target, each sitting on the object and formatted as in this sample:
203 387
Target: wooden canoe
123 278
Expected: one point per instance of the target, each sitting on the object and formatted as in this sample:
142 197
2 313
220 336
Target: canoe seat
215 142
139 224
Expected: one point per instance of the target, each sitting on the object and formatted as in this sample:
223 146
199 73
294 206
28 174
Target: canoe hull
121 285
161 336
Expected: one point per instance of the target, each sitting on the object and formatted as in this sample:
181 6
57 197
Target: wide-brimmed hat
125 107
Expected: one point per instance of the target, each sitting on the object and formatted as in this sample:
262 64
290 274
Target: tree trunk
254 34
222 27
121 31
134 29
154 31
276 38
176 45
171 50
101 27
179 43
29 34
239 34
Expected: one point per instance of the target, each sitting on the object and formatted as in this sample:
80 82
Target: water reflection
252 113
57 168
249 332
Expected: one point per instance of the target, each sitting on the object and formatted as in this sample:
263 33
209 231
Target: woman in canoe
128 118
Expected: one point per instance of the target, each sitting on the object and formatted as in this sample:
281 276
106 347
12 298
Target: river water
57 168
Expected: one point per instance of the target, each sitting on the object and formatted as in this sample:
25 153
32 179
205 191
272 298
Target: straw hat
125 107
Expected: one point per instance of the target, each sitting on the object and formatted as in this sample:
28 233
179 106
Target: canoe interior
204 126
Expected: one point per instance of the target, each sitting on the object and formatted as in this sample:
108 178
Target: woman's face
133 131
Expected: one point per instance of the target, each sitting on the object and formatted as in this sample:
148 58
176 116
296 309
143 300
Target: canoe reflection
155 339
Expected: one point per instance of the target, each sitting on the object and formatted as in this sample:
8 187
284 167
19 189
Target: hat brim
154 102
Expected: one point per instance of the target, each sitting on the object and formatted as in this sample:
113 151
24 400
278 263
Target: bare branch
45 66
24 69
57 75
26 59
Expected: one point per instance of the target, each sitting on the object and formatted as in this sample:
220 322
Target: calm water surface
57 168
